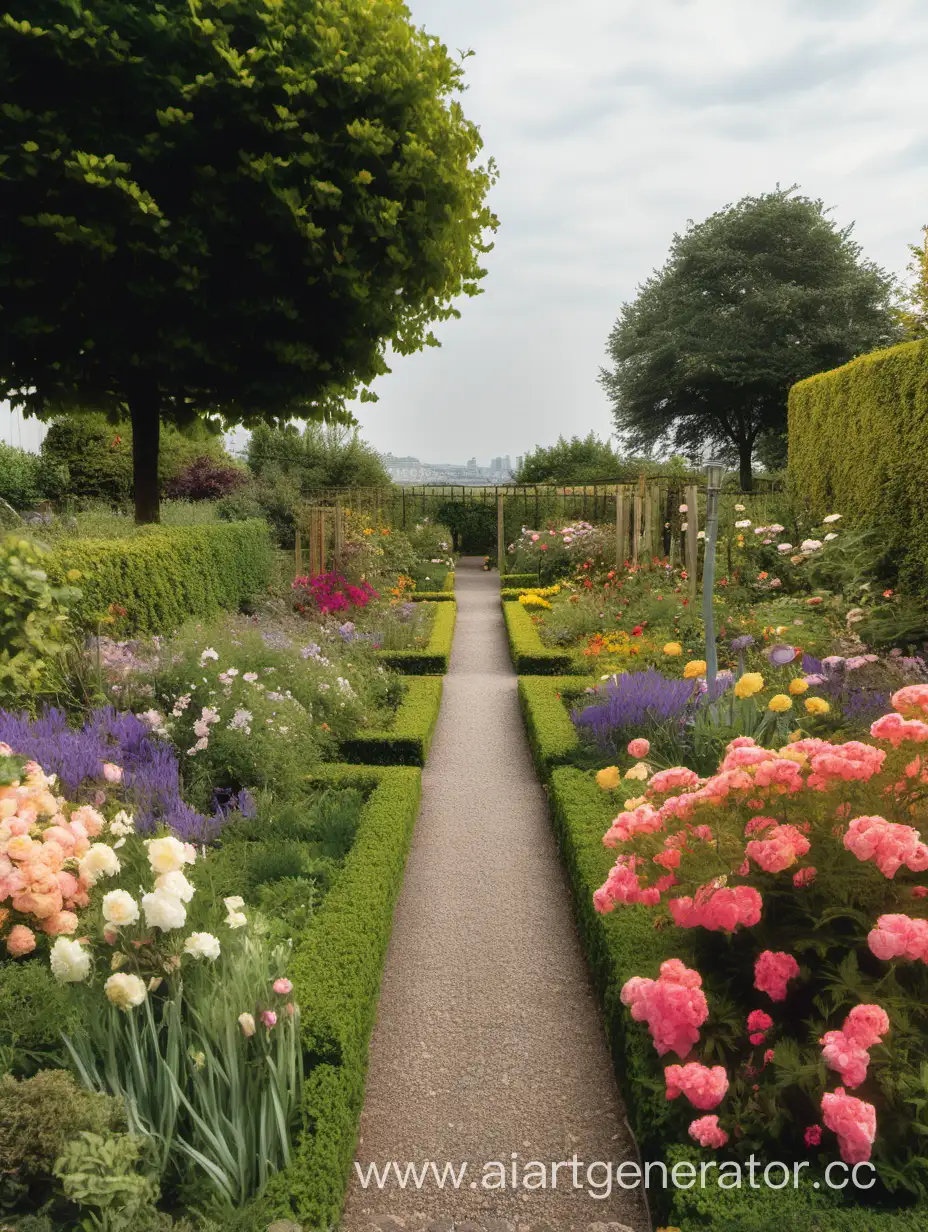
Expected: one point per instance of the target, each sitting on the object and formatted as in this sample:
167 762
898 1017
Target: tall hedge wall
858 446
167 574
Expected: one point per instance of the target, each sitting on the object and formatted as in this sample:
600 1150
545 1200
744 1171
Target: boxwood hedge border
434 658
408 740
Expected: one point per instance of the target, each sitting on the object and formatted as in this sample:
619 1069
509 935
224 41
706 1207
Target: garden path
488 1040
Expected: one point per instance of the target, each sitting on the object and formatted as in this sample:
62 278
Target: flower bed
530 657
433 659
407 740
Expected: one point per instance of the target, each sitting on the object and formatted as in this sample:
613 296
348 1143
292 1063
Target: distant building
411 470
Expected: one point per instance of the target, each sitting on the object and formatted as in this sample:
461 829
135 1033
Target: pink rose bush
770 876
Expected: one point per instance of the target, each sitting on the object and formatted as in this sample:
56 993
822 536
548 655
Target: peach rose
20 941
63 923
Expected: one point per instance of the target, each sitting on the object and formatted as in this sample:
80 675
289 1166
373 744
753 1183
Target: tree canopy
758 296
226 207
578 460
321 456
913 312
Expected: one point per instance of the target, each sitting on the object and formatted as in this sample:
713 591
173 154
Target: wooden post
500 535
338 539
639 512
621 526
298 555
313 544
691 538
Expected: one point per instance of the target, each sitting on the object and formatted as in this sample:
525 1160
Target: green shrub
26 478
167 574
432 596
34 623
517 580
858 446
530 657
433 660
35 1010
336 969
551 734
408 739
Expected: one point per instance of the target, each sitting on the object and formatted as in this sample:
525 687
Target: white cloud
614 123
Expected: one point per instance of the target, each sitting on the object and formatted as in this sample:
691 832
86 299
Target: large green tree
579 460
225 207
753 299
321 456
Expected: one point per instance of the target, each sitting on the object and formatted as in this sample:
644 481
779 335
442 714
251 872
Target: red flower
637 631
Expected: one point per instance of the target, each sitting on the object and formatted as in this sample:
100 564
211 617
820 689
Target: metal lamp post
715 472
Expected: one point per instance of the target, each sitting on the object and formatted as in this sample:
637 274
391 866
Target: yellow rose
695 667
608 779
780 703
640 771
633 803
798 686
673 649
749 684
816 705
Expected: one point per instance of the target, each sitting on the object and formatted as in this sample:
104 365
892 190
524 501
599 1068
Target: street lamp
715 472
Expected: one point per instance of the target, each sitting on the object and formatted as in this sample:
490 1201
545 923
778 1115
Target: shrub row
530 656
409 738
544 701
518 579
625 944
433 660
432 596
165 575
336 967
884 396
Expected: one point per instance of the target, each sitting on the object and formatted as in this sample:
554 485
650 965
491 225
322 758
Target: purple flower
781 655
742 643
631 701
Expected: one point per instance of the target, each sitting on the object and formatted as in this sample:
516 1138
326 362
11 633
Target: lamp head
715 473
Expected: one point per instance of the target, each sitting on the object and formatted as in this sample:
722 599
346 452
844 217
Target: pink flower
899 936
778 849
718 910
673 779
111 772
639 747
897 730
623 885
887 844
854 1121
866 1025
804 877
269 1018
759 1021
707 1132
674 1006
912 701
705 1088
20 941
772 972
847 1057
283 986
813 1135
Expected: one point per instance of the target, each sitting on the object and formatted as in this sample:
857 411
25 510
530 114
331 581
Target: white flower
831 535
163 910
70 962
99 861
125 991
200 745
122 824
684 509
153 718
181 705
700 534
775 528
810 545
833 517
251 677
784 547
241 721
120 908
684 525
168 855
202 945
175 883
247 1023
201 728
739 508
208 654
743 524
236 919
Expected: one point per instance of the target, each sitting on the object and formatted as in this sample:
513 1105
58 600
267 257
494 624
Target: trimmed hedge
551 734
518 579
432 596
336 969
858 446
433 660
164 575
448 583
407 741
530 656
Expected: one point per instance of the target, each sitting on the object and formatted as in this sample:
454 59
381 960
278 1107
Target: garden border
337 966
408 740
530 656
515 580
551 734
433 660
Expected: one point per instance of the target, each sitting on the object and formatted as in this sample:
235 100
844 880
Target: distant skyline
613 123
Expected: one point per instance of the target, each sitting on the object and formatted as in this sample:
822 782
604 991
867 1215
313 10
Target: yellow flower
816 705
673 649
749 684
780 703
639 771
633 803
695 667
73 575
368 530
798 686
780 630
796 735
608 779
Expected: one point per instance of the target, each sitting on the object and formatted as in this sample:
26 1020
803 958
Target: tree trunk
144 411
745 450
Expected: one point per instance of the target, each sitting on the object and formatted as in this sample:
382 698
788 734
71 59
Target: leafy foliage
255 197
34 627
753 299
579 460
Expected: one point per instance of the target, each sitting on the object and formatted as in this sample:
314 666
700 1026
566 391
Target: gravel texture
488 1040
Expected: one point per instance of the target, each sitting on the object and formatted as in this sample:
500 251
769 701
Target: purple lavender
151 778
631 702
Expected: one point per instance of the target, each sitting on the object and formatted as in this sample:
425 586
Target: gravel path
488 1040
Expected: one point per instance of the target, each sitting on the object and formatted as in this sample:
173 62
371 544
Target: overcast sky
613 122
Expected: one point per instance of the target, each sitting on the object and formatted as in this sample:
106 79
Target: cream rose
120 908
99 861
70 962
202 945
125 991
163 910
167 855
177 884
